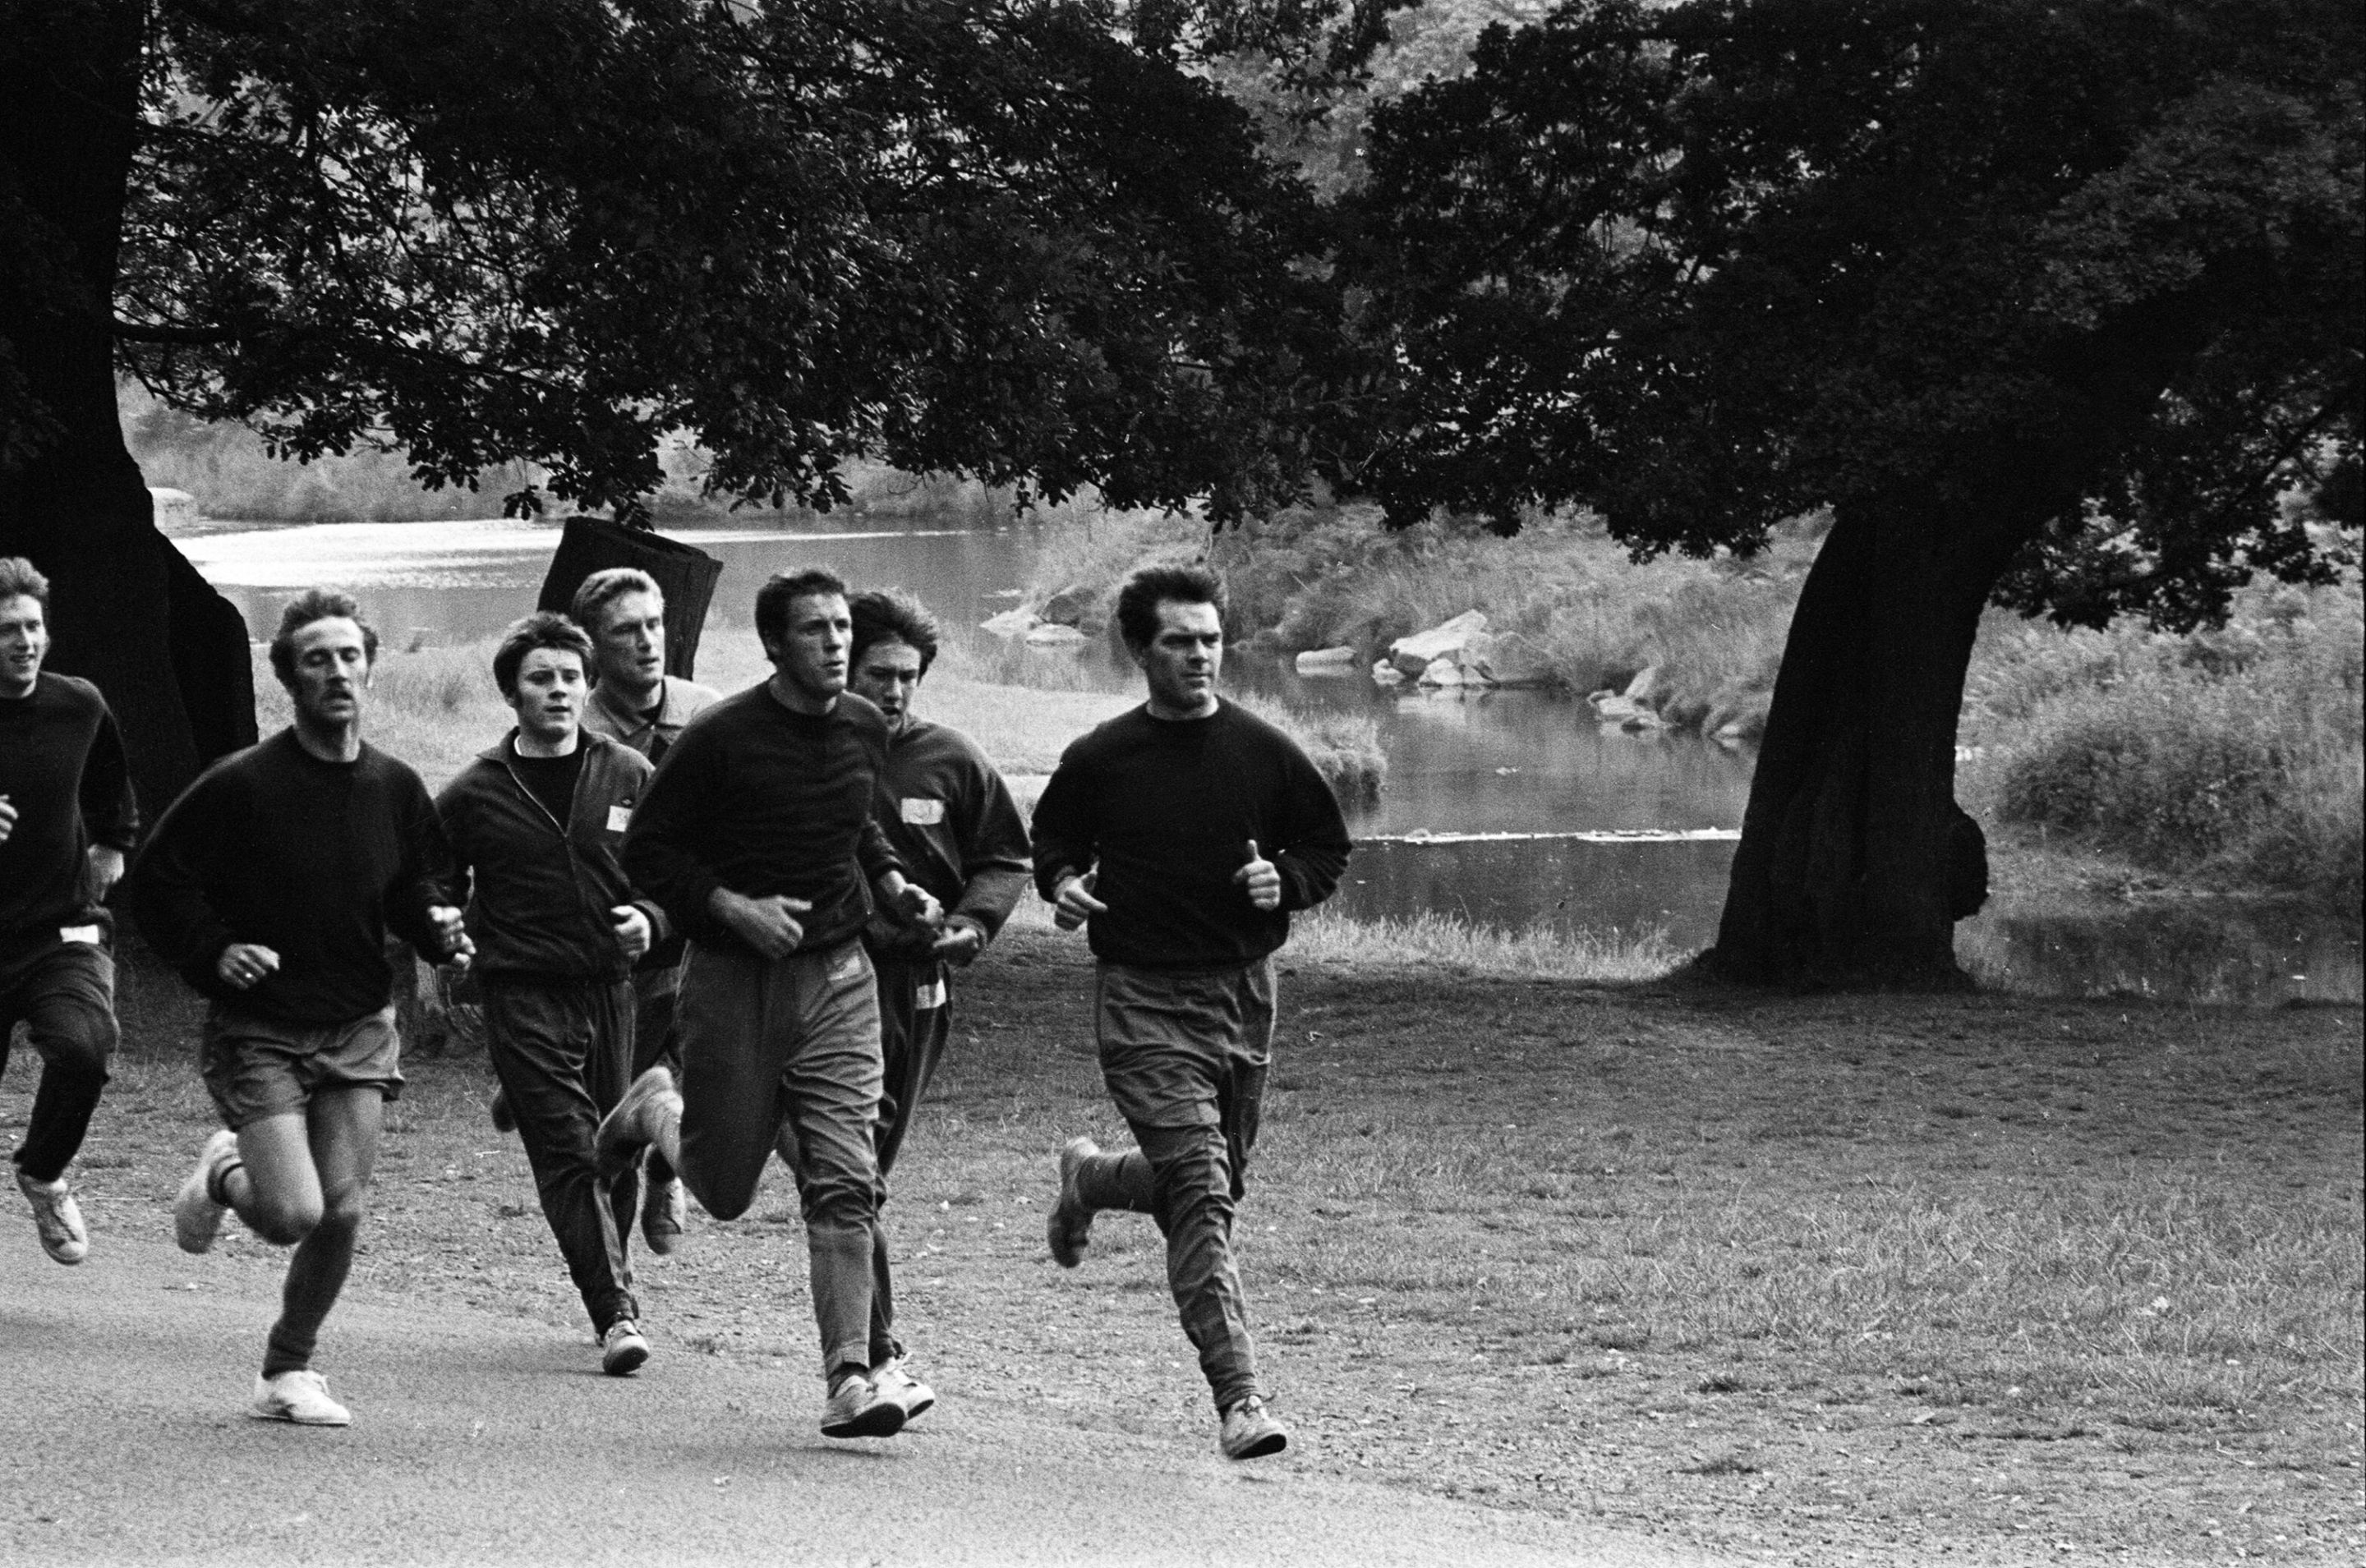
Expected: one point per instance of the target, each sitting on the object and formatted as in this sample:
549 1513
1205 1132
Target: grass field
1887 1280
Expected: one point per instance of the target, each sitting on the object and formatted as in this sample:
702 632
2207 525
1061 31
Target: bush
2236 749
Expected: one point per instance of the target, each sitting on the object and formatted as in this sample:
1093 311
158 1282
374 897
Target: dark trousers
563 1051
793 1040
1185 1055
915 1017
64 994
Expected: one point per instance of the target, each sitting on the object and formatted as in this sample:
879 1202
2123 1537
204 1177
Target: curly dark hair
892 614
316 605
773 600
544 628
1138 601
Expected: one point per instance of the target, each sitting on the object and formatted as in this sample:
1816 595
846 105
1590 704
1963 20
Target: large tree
2048 302
1023 240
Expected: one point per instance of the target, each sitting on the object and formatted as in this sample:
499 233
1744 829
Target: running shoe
622 1348
1069 1229
1250 1433
665 1215
57 1216
300 1397
893 1382
856 1408
196 1212
624 1132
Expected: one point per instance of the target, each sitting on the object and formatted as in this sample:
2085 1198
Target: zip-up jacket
539 895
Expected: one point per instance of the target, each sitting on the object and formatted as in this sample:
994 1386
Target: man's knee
75 1039
283 1221
724 1195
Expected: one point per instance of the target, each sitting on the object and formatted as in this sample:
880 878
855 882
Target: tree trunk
123 602
1855 859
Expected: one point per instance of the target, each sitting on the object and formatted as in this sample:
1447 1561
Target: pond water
1506 808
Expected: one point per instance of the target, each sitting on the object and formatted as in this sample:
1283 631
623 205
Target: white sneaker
57 1216
894 1383
857 1408
623 1349
300 1397
196 1212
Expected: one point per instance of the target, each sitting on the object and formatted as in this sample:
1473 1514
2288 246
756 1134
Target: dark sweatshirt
542 893
315 859
956 829
61 766
1167 809
764 800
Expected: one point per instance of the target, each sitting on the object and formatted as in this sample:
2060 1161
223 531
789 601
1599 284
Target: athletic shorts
258 1067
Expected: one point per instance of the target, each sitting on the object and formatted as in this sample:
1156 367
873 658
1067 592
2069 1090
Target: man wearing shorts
66 818
960 835
536 822
637 703
1183 834
757 839
271 885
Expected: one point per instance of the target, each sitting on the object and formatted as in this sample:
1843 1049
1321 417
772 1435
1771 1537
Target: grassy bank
2233 754
1564 598
1866 1279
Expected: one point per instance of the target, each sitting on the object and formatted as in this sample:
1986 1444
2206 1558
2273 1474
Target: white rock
1645 684
173 507
1414 654
1387 674
1011 622
1325 659
1442 673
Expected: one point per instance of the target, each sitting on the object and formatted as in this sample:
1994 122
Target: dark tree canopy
1029 240
2048 300
1711 265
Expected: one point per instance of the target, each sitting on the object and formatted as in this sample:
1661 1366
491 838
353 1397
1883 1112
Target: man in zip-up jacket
535 824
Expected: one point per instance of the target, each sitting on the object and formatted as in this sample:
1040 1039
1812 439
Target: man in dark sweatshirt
1183 834
536 822
757 839
960 835
66 819
271 885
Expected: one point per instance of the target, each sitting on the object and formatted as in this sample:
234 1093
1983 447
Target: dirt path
1868 1280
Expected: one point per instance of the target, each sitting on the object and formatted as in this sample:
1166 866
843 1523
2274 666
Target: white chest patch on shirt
85 934
923 813
927 994
619 818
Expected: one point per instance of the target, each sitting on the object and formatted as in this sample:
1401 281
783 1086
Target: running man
271 885
960 835
1183 834
757 837
535 822
67 818
634 700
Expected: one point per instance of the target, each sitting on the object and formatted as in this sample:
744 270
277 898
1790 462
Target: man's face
1183 660
548 701
888 673
630 648
331 673
24 642
812 654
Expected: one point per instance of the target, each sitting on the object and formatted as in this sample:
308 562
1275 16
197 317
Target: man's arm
111 811
1313 855
661 850
996 865
425 908
167 885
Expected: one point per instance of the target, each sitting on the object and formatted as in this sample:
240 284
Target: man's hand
452 931
769 924
106 867
910 902
962 941
632 928
243 963
8 819
1073 903
1262 878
